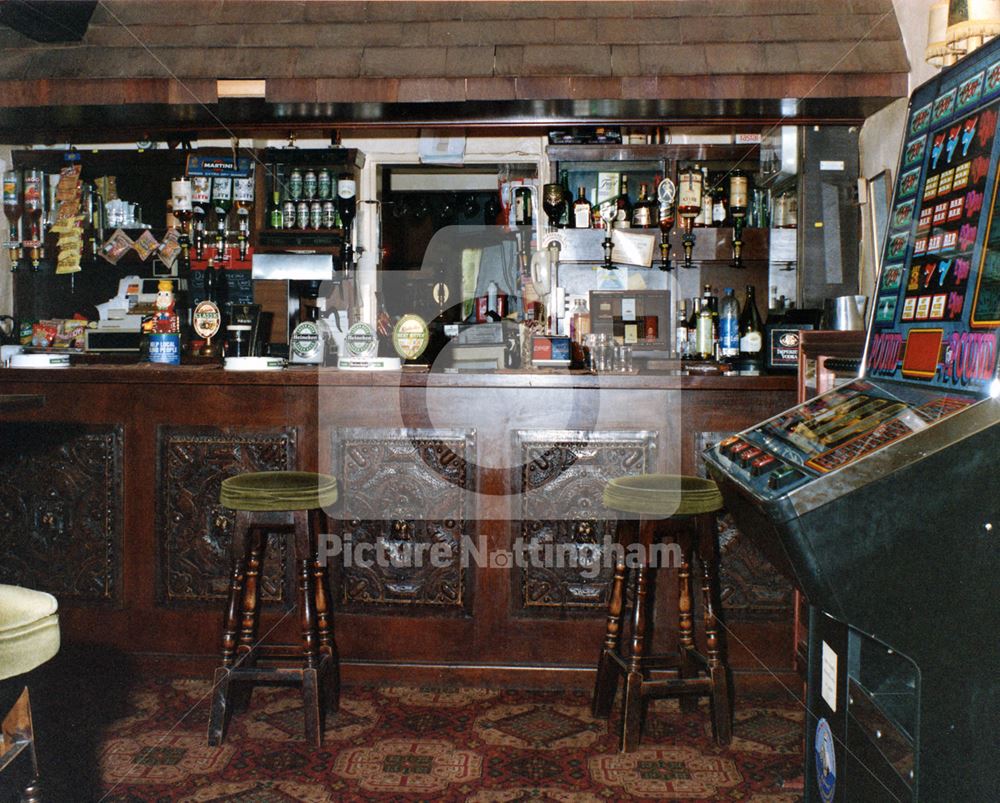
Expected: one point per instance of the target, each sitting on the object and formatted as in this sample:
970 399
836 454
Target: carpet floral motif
438 697
554 727
408 766
161 757
666 772
446 745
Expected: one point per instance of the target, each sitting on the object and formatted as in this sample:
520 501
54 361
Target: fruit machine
880 499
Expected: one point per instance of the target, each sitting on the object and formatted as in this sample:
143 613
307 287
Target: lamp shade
937 52
971 23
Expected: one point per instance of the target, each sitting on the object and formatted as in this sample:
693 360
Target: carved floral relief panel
404 493
563 476
61 510
193 529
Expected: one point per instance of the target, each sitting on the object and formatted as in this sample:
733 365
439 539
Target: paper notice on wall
828 680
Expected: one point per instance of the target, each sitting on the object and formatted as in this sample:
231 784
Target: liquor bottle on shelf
689 202
201 198
623 217
704 334
692 328
666 191
681 330
582 211
739 197
719 204
33 180
243 204
565 221
704 216
347 207
644 212
751 335
12 209
711 301
729 326
222 202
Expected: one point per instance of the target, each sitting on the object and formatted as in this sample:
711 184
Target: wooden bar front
110 502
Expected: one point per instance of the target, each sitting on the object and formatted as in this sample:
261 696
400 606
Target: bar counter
110 502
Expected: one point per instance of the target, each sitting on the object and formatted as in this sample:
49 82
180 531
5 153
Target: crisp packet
169 247
145 245
116 246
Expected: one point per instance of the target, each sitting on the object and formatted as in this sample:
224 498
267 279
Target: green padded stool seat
270 502
663 495
684 509
29 636
278 491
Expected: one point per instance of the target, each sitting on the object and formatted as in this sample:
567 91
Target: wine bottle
624 215
751 334
644 212
581 210
523 213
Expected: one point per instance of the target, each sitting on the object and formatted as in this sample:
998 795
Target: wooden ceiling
154 63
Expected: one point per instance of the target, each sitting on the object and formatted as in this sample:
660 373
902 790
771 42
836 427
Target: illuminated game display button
737 451
763 464
727 444
783 478
748 456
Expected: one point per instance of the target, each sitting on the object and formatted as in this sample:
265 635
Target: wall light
241 88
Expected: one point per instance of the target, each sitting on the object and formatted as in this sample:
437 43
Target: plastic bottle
729 326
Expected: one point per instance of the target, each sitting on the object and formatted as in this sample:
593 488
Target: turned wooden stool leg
607 670
219 716
310 639
324 621
717 666
685 621
632 704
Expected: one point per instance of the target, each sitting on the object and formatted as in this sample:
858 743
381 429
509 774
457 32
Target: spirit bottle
581 210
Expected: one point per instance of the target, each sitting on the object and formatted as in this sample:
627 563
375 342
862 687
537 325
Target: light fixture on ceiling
955 29
241 88
937 52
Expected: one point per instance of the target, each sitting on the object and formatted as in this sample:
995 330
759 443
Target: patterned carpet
416 744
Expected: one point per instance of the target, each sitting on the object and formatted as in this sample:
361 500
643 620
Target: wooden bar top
311 376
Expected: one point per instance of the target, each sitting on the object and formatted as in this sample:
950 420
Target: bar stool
683 508
277 501
29 636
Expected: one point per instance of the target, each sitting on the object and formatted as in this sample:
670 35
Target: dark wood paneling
61 509
193 529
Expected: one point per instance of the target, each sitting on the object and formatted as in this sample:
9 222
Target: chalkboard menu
937 305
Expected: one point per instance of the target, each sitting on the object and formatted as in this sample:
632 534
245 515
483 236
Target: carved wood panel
61 510
562 481
752 589
193 529
405 492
